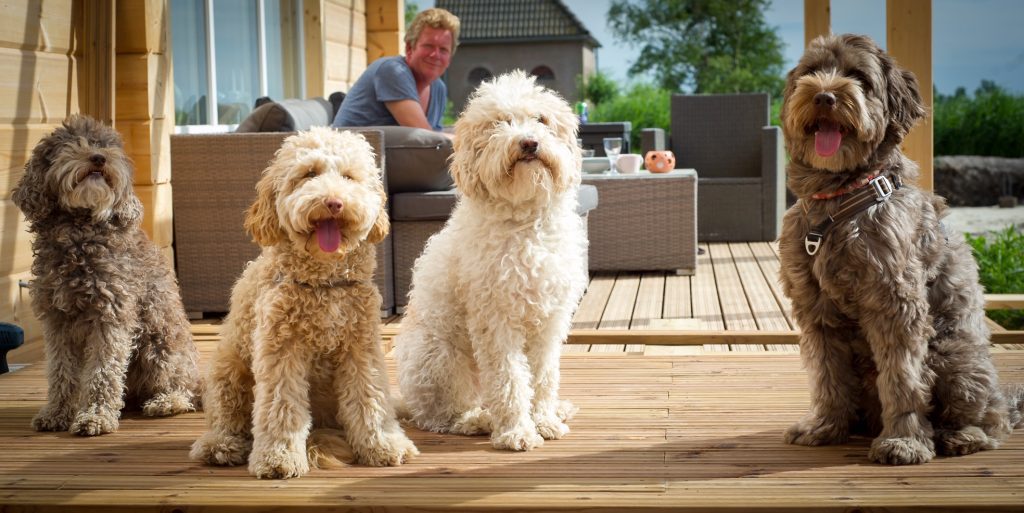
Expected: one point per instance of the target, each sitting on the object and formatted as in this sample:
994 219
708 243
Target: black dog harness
879 191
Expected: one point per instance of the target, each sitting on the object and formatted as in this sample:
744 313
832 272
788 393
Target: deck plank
619 310
736 311
588 314
680 433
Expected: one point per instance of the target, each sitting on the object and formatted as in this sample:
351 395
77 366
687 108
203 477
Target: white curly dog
494 292
301 345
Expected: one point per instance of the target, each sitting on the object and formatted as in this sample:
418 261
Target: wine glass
612 147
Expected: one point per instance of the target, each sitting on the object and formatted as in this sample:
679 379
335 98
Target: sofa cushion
416 159
587 198
287 116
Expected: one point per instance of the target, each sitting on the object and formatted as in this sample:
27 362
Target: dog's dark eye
310 174
859 76
543 120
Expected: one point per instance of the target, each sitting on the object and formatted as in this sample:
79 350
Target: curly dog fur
494 292
114 327
890 309
301 344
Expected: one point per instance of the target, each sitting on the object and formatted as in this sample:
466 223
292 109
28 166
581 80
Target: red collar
845 190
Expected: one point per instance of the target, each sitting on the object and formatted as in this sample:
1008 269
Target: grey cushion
416 159
423 206
438 205
287 116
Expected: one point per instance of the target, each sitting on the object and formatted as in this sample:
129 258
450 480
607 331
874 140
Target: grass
1001 270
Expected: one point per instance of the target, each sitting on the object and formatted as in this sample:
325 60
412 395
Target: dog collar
281 278
864 197
845 190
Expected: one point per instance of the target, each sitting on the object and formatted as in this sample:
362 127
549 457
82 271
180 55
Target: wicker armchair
738 157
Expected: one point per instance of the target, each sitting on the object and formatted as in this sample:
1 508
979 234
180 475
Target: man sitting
406 91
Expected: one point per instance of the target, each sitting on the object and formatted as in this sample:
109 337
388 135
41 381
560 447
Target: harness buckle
882 186
812 242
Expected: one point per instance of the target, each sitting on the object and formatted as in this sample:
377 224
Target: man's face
430 55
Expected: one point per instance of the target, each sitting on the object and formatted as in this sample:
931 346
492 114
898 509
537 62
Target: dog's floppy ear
466 180
30 195
381 225
261 220
902 96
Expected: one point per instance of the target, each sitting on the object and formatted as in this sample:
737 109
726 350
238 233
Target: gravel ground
978 220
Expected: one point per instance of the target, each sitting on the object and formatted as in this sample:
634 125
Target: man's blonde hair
433 18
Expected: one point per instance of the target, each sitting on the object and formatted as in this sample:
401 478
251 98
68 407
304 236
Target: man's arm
409 113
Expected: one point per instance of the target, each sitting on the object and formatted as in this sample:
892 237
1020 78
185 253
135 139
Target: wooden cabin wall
38 89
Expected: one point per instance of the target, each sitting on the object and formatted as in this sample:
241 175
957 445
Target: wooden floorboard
666 433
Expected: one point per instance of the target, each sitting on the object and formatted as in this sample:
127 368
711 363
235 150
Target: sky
972 40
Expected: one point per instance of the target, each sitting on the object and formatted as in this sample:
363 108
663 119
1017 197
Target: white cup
629 163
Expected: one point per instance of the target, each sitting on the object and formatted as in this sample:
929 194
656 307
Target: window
544 75
478 75
227 53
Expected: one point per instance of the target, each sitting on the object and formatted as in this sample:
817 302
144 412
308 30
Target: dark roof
492 21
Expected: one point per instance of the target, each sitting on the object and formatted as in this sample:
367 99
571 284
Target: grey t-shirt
385 80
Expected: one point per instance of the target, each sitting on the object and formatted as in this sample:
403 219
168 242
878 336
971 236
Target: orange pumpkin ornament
659 161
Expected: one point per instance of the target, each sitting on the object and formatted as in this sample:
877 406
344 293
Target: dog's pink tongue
327 235
827 139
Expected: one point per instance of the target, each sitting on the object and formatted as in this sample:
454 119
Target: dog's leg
364 406
101 397
438 381
827 356
63 357
549 413
499 350
281 418
898 334
166 362
227 403
971 408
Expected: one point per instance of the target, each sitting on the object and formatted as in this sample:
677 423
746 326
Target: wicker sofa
739 161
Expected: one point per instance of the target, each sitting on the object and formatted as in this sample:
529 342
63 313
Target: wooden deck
679 433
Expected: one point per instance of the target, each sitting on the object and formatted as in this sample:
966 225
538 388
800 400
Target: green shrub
1001 270
643 105
597 88
991 123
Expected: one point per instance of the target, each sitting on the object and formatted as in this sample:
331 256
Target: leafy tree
411 10
704 46
597 88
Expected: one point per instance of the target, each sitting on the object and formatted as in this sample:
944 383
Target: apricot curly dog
301 344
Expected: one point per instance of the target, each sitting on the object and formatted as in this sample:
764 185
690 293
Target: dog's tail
401 409
327 448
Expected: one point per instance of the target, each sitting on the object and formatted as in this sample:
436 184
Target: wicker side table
644 222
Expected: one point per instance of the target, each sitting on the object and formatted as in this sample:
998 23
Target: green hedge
990 123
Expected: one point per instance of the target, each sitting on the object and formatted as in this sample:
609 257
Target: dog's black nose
97 159
334 205
528 146
825 100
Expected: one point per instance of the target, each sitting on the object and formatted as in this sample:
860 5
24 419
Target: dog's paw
968 440
278 463
218 449
565 410
817 431
901 451
92 423
551 428
169 403
51 419
519 438
388 450
474 422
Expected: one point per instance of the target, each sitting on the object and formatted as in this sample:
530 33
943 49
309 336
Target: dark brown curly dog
889 305
114 326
